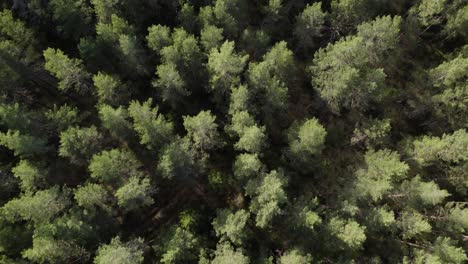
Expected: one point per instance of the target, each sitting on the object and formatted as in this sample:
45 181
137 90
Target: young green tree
232 225
31 176
413 224
269 80
306 141
17 49
23 145
134 194
176 161
450 80
382 168
309 25
349 232
185 54
116 251
348 73
247 166
177 246
110 89
158 37
69 71
187 17
170 84
268 197
16 117
115 166
446 249
231 15
225 67
80 144
40 207
202 131
62 117
211 37
372 134
295 256
152 127
225 253
104 9
73 18
252 139
451 148
61 240
115 120
91 196
423 194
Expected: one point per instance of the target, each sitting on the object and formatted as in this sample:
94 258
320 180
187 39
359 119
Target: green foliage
69 72
450 80
230 15
152 127
117 251
110 89
348 231
134 194
30 175
114 166
241 120
115 120
73 17
79 144
269 79
224 67
347 73
23 145
231 225
177 246
184 54
295 257
306 140
158 37
413 224
424 193
187 17
247 166
381 218
104 9
202 131
372 134
451 148
239 102
16 39
62 117
176 161
39 207
15 117
225 254
47 250
211 37
233 131
91 195
303 215
269 197
309 25
60 240
381 169
446 250
170 84
252 139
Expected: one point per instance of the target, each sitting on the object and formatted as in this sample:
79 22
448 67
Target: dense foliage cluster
233 131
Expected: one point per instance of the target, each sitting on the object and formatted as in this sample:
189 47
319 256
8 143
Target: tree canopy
233 131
